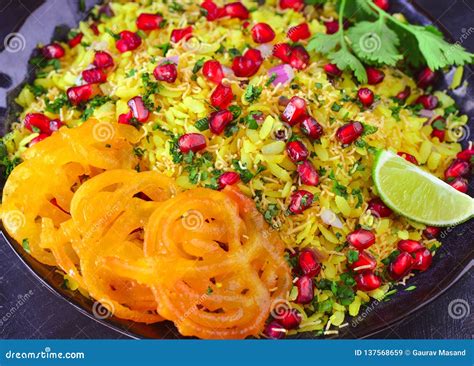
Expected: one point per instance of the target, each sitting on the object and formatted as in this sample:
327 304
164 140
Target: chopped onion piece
284 74
330 218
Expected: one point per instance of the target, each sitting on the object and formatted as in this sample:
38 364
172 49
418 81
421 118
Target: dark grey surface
30 310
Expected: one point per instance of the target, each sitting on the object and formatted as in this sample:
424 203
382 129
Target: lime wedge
418 195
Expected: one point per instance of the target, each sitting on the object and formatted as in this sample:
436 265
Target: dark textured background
29 310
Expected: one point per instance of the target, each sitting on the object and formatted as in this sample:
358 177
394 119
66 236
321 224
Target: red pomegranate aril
282 51
431 232
37 121
299 32
125 118
128 41
191 142
244 67
409 246
274 330
466 154
149 22
404 94
82 93
332 70
37 139
52 51
94 29
460 184
422 260
299 58
361 239
139 111
308 174
408 157
262 33
296 151
458 168
300 201
305 288
296 5
74 41
295 109
182 33
311 128
94 76
228 179
400 266
218 121
236 10
55 125
213 71
349 132
382 4
367 281
366 96
290 319
429 102
332 27
308 263
378 208
439 134
212 11
365 262
254 55
103 60
374 76
222 96
426 77
167 72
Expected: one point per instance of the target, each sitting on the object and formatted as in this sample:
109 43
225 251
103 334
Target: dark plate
454 258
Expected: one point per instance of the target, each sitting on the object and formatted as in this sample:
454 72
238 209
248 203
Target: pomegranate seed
183 33
400 266
282 51
374 76
439 134
228 179
332 70
299 58
55 125
296 5
404 94
311 128
191 142
125 118
305 290
37 121
466 154
332 27
222 96
37 139
382 4
308 174
254 55
361 239
308 263
94 76
166 72
429 102
212 11
83 93
291 319
213 71
423 259
431 232
378 208
300 201
274 330
367 281
299 32
103 60
458 168
295 109
426 77
408 157
297 151
244 67
409 246
237 10
139 111
53 50
128 41
366 96
149 22
262 33
74 41
94 29
218 121
365 260
460 184
349 132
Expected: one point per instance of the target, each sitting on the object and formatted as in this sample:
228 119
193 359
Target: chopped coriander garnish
252 93
202 124
352 256
26 245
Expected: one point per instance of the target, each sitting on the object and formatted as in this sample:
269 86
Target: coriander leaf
344 59
369 129
252 93
324 43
